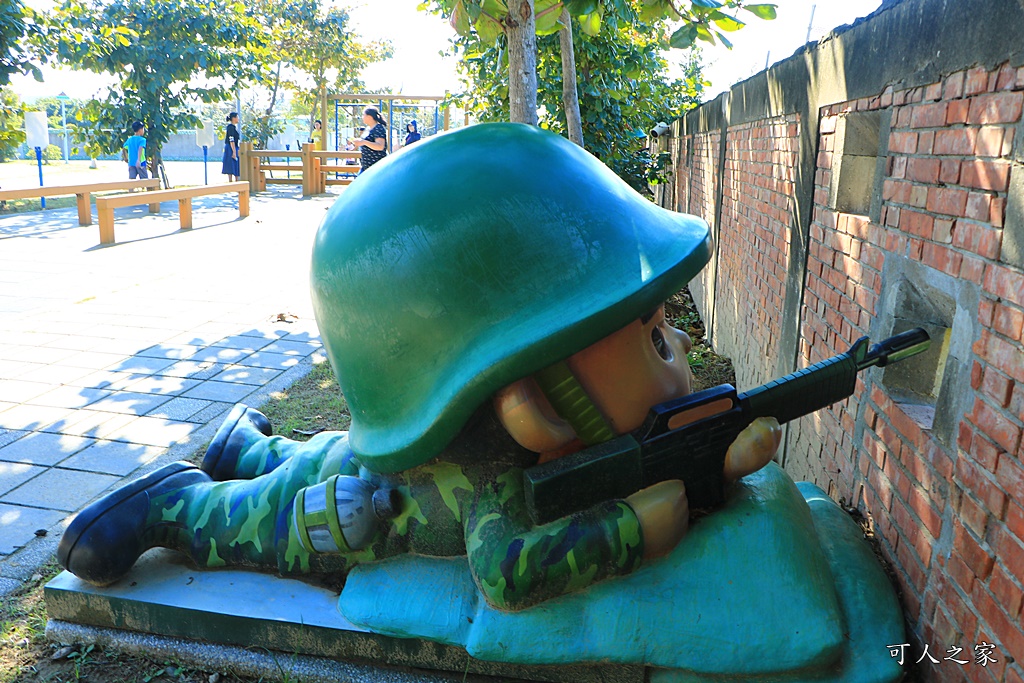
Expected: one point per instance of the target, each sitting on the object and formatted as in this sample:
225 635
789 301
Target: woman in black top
374 142
229 166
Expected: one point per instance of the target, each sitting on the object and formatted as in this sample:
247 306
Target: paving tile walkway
117 359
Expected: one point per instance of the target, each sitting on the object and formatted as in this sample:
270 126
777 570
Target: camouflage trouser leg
265 454
249 522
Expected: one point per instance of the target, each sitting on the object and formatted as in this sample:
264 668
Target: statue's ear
529 418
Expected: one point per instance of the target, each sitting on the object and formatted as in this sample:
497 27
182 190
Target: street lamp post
64 120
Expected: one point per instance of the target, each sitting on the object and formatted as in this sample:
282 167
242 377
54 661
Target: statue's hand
664 515
753 448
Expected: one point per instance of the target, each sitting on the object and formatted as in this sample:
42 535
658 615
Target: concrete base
164 600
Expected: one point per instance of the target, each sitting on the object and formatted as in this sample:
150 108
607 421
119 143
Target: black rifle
687 438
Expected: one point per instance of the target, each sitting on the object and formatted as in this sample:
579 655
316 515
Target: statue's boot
107 537
242 428
248 522
242 448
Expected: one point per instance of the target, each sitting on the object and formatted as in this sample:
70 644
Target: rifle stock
687 438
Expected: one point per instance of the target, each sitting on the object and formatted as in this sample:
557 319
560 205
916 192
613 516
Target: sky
418 37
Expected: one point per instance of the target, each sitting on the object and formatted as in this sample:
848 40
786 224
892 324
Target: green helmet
471 260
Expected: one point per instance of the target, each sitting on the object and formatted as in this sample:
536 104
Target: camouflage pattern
448 509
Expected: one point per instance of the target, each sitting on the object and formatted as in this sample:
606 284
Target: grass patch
709 368
33 204
313 404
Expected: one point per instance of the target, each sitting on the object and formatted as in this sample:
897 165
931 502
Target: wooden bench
84 194
105 205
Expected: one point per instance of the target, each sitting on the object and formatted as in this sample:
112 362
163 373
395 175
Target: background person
229 167
374 142
412 133
317 133
135 152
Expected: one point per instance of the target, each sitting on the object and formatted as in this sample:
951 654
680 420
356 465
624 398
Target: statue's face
624 374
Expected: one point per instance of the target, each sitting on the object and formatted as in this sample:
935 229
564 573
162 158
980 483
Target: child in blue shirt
136 148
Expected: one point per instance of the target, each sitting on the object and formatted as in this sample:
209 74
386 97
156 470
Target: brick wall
753 248
941 482
695 168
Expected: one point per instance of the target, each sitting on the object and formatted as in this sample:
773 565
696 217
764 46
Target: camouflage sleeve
517 565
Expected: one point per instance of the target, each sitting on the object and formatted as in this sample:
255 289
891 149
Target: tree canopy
619 56
16 25
321 45
166 54
623 88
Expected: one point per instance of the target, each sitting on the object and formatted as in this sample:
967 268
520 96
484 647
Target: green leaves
684 37
546 16
766 12
725 22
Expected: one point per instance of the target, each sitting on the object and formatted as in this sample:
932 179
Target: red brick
1006 591
953 86
985 175
976 82
1005 629
898 167
979 239
978 559
1011 475
977 372
1008 357
963 616
925 142
973 515
1007 321
924 509
916 223
958 141
957 112
941 258
985 488
943 231
1017 404
906 143
960 572
1004 107
972 269
986 453
979 206
919 196
1008 134
989 142
896 191
928 115
1005 283
997 214
1009 549
996 426
997 387
986 309
1007 78
1015 519
946 200
922 170
949 172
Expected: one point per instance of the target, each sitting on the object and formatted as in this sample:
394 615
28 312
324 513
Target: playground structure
315 171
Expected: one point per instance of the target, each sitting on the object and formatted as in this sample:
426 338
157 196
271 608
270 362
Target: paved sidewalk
117 359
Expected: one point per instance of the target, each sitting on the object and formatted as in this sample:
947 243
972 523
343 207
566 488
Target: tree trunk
570 98
521 33
265 123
